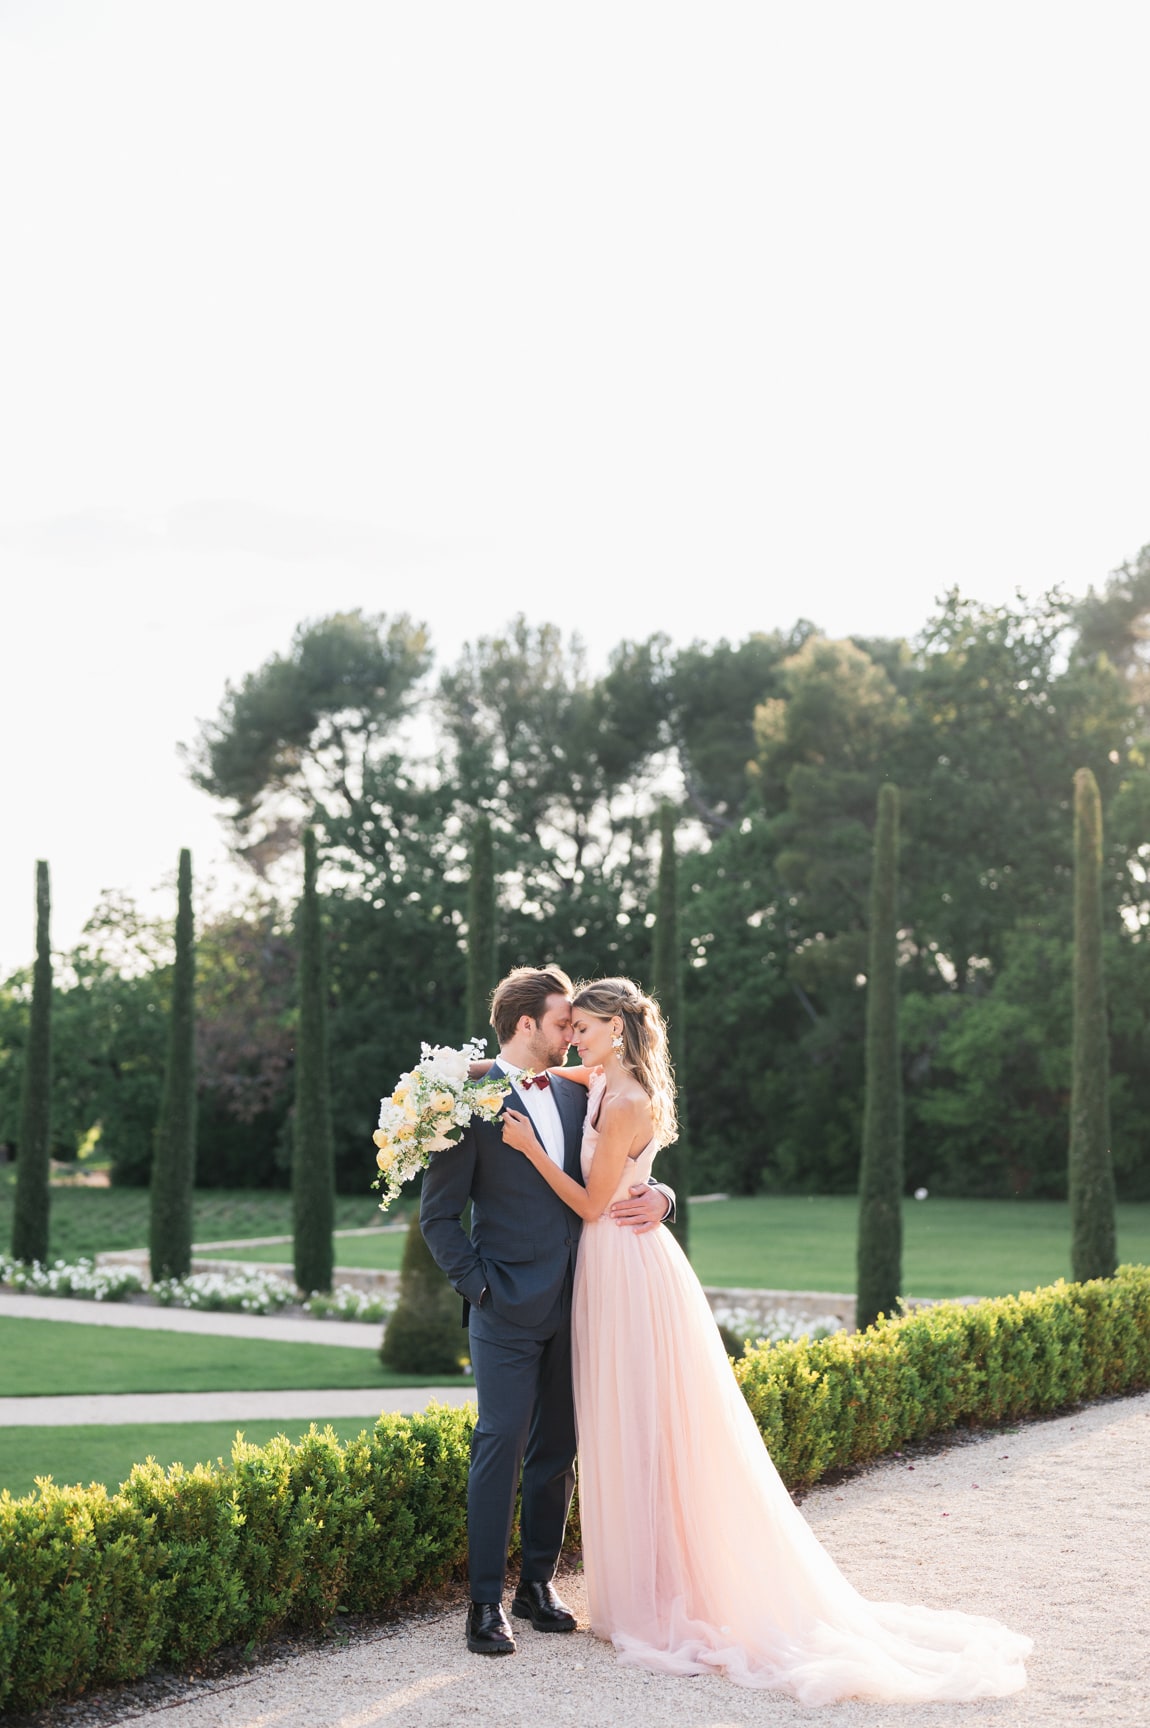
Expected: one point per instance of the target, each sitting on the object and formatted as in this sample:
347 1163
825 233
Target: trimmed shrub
425 1334
97 1588
33 1195
174 1164
881 1165
313 1157
850 1397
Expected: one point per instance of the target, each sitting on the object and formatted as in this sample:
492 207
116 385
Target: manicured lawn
42 1357
951 1247
383 1251
106 1455
86 1220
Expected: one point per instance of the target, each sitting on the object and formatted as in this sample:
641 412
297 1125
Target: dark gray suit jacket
523 1238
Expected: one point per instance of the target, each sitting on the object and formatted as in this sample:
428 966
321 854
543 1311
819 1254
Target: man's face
552 1038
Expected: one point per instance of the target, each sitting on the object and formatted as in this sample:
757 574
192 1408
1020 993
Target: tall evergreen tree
667 980
480 931
881 1174
30 1218
313 1160
423 1335
174 1161
1094 1251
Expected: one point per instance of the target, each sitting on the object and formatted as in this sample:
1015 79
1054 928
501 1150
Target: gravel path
95 1409
149 1316
1047 1527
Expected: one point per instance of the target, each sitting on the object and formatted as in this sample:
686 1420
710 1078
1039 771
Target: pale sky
629 316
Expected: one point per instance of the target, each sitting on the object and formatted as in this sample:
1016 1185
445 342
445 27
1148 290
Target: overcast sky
629 316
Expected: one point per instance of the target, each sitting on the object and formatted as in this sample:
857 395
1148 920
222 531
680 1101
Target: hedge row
98 1588
853 1396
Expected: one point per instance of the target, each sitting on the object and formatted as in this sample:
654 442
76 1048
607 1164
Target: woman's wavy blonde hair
644 1052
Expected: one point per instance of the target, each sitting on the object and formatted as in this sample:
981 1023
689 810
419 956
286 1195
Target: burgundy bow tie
535 1080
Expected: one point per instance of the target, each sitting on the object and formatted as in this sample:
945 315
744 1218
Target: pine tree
1094 1251
480 932
667 970
313 1156
424 1335
881 1172
174 1162
30 1217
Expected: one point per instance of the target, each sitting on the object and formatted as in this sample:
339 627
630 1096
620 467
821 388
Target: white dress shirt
539 1103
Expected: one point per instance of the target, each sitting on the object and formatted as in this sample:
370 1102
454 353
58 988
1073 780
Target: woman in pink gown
695 1556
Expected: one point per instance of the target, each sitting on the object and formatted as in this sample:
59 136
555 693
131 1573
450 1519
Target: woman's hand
518 1133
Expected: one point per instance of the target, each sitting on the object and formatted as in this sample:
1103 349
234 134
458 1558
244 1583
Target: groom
515 1274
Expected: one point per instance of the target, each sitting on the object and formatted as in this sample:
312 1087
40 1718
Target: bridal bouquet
428 1111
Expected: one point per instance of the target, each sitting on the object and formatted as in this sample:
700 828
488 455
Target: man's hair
525 991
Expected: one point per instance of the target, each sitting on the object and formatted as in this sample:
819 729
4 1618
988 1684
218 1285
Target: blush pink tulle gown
696 1557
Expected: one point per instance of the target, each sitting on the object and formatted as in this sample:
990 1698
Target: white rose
443 1063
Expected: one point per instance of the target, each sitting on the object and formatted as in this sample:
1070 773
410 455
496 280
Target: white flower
440 1062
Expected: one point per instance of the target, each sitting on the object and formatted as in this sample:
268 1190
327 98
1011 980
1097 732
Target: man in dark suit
515 1275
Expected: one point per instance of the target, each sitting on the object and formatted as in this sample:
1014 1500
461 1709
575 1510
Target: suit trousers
526 1419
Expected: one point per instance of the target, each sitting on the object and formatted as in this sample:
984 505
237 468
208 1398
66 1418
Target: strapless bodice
635 1170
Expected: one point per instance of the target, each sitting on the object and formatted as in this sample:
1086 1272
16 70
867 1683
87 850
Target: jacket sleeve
446 1189
662 1188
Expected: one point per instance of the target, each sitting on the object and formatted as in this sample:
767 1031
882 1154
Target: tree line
771 753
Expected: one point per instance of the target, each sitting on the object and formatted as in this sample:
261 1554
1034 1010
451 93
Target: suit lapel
567 1101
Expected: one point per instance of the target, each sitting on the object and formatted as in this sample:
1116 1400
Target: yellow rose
489 1100
400 1094
385 1158
443 1103
380 1137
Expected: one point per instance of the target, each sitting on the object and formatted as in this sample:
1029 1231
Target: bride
695 1556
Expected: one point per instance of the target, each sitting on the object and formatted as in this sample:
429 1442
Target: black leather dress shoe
488 1633
539 1604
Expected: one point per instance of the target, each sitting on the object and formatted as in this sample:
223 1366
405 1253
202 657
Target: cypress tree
1094 1251
667 970
881 1172
174 1163
423 1335
480 931
30 1217
313 1155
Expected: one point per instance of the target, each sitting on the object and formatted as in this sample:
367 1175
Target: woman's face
592 1038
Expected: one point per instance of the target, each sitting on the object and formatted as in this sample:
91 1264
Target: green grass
85 1221
71 1455
951 1247
384 1251
60 1357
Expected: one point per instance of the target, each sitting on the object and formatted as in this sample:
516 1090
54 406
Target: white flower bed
346 1303
776 1324
240 1292
81 1279
230 1292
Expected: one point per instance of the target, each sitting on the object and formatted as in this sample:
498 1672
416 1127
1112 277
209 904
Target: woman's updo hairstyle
644 1053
